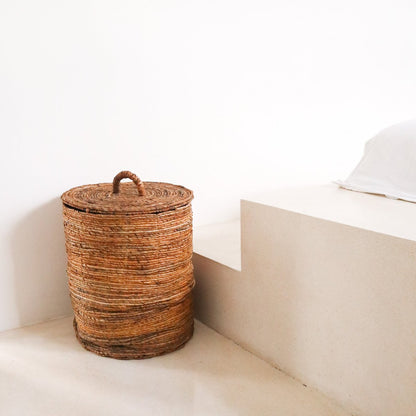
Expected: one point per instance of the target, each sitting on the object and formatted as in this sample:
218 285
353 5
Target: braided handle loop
129 175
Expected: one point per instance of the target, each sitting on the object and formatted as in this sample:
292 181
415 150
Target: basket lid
127 198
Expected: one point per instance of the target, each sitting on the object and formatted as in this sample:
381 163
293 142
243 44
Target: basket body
130 280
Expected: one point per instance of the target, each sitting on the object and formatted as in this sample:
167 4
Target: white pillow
388 166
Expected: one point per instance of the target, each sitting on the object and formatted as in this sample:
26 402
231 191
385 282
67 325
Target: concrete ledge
330 303
220 242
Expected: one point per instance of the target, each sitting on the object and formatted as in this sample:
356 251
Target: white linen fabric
388 166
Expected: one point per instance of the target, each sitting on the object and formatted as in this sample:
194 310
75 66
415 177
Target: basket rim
99 198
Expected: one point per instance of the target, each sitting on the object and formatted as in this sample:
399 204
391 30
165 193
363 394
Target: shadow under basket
130 274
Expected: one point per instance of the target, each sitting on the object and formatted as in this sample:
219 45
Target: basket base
132 352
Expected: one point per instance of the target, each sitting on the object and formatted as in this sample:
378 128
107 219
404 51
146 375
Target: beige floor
44 371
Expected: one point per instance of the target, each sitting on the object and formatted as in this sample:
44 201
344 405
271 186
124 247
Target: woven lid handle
126 174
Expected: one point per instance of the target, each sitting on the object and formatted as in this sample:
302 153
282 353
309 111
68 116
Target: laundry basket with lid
129 250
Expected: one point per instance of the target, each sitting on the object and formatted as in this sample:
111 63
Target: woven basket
129 249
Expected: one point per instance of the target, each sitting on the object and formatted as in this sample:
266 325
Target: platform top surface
329 202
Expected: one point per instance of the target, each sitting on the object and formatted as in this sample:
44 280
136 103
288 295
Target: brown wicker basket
129 249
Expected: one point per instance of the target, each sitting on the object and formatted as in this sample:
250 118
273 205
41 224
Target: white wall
223 96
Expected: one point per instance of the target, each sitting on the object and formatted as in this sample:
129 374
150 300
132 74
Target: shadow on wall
38 250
